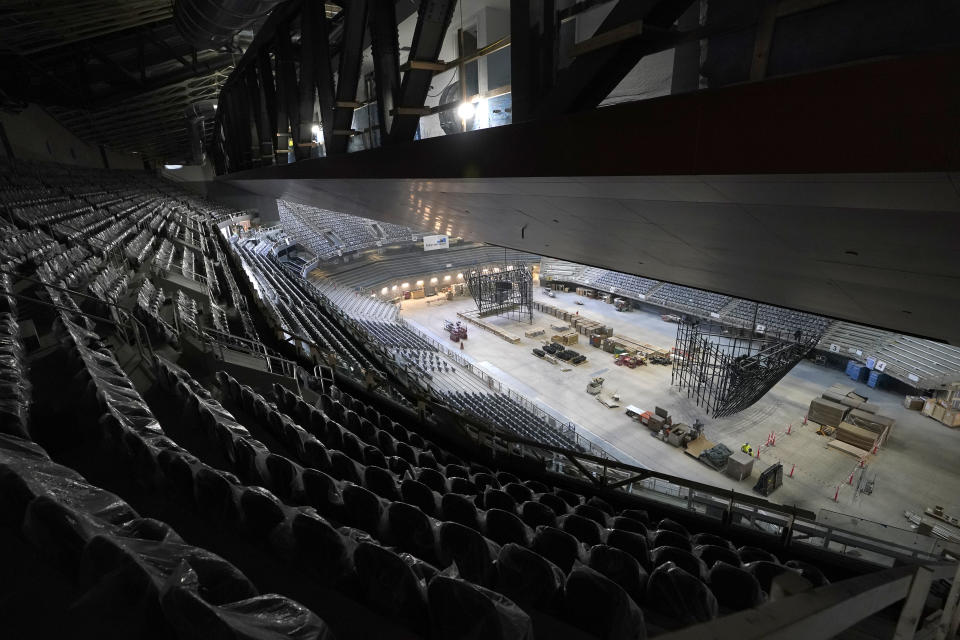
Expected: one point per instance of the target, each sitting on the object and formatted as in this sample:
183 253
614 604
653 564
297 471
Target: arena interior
586 319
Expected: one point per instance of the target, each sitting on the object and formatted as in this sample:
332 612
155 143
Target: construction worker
747 449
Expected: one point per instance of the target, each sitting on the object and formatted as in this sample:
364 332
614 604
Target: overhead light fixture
316 129
466 110
384 291
214 107
446 278
405 285
172 167
419 283
433 281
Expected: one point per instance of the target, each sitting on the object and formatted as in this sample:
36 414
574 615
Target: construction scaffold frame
502 290
725 370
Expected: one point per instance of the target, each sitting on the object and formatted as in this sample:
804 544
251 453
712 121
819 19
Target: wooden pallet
858 453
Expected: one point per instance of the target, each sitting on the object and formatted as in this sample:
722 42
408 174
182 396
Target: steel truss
726 372
504 290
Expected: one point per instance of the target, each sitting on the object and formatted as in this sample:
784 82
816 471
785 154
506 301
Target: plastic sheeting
680 596
599 606
463 611
735 588
529 579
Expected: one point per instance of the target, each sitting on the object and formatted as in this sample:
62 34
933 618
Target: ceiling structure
835 192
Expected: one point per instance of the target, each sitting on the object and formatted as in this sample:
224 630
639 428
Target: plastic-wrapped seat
620 567
583 529
667 538
463 486
352 446
536 486
390 585
474 555
433 479
553 501
633 543
424 459
283 474
320 548
498 499
214 493
400 467
381 482
484 480
343 468
463 611
316 455
419 495
386 443
682 598
457 508
627 524
535 514
411 530
711 539
765 572
456 471
372 456
592 513
321 492
518 492
680 557
557 546
600 503
672 525
808 571
504 527
505 477
600 607
755 554
572 499
261 510
734 588
710 554
362 508
528 579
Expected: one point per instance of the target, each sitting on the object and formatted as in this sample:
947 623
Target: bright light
419 283
214 107
316 130
384 290
446 278
433 281
459 276
405 285
172 167
394 287
466 110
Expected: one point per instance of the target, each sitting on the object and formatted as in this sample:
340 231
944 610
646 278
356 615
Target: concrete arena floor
916 469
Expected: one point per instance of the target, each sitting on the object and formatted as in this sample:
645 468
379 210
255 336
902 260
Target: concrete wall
34 134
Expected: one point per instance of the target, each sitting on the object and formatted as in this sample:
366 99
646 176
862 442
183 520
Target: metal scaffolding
502 290
727 370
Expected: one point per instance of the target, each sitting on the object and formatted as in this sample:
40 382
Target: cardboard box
951 417
913 403
928 406
938 412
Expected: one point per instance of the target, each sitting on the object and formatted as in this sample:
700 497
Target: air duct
207 24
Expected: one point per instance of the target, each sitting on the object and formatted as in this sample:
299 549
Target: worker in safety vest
747 449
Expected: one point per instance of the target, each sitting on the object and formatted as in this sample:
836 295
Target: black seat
319 548
734 588
754 554
810 572
633 543
600 607
419 495
585 530
671 525
411 530
362 508
557 546
389 584
627 524
433 479
710 554
457 508
462 611
261 510
518 492
553 501
372 456
322 493
283 474
667 538
620 567
535 514
381 482
592 513
529 579
214 494
504 527
680 557
499 499
680 597
474 555
343 468
708 538
462 485
765 572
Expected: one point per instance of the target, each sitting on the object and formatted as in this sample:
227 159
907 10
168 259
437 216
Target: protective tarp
735 588
463 611
599 606
667 538
716 456
620 567
411 530
529 579
362 508
419 495
679 596
755 554
765 572
591 513
633 543
583 529
15 387
535 514
810 572
457 508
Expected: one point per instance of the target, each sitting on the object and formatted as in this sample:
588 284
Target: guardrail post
950 617
913 605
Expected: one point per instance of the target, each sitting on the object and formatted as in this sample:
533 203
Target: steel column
351 58
386 61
